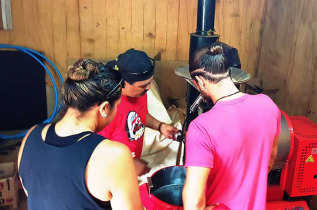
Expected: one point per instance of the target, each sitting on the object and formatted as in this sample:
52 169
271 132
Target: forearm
167 130
194 188
272 159
131 203
191 202
273 154
151 122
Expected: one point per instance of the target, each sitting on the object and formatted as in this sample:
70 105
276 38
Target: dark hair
209 63
89 83
130 82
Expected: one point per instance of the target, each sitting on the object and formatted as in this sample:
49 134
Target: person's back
238 135
58 172
66 165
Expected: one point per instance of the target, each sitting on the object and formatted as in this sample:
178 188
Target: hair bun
215 50
82 69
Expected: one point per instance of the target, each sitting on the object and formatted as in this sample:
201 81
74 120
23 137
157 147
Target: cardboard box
8 186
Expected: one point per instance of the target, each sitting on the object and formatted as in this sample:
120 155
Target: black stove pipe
205 17
204 36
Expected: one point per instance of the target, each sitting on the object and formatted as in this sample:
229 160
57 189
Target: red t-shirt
129 124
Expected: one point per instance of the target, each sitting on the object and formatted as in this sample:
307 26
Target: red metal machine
296 163
294 172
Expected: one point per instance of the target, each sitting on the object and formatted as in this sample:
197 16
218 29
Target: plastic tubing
56 107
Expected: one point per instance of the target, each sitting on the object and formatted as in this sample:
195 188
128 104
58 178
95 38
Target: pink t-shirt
128 125
235 139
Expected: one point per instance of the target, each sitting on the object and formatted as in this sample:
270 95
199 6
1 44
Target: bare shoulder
110 175
108 162
109 150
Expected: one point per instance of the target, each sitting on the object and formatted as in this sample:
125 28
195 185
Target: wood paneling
125 20
172 25
73 29
17 36
239 22
45 27
274 38
288 56
149 32
65 29
100 28
59 34
182 49
113 29
161 27
137 24
86 28
31 29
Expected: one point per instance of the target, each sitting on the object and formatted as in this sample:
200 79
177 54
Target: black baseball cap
133 65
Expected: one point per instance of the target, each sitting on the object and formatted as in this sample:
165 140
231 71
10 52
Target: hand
141 167
217 206
211 207
168 131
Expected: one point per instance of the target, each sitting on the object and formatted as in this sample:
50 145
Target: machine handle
150 184
196 103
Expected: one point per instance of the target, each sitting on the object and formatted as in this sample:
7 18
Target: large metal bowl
167 184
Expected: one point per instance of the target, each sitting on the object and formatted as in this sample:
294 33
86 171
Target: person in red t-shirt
128 127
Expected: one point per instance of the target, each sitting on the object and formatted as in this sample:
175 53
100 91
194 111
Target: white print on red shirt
134 126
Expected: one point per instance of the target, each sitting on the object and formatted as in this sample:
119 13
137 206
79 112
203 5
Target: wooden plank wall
239 24
288 56
276 39
64 29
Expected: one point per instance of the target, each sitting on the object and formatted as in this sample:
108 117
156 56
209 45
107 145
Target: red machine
302 169
287 205
296 161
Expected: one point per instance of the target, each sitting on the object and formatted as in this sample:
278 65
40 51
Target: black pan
167 184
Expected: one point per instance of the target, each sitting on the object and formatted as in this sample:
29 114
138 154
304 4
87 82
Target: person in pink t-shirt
231 147
128 127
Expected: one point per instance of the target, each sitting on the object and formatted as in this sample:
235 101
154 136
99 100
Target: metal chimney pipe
203 37
204 34
205 17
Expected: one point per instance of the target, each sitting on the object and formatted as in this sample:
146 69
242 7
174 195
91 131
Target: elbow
272 159
274 154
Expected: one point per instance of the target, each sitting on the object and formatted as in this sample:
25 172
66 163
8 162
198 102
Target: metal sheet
171 194
237 75
283 147
167 184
